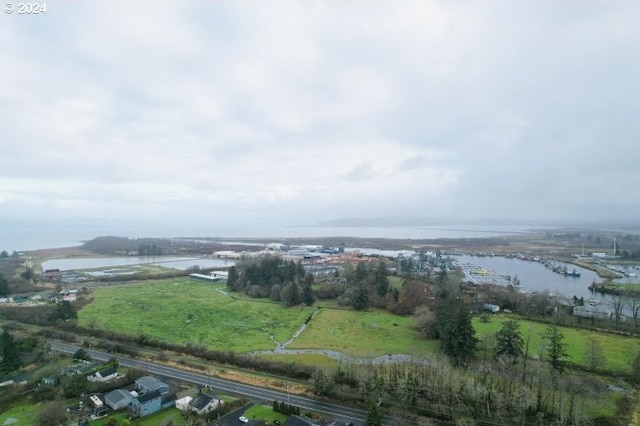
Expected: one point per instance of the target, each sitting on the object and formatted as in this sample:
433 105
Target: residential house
145 404
104 375
147 384
489 307
303 421
203 404
118 399
182 404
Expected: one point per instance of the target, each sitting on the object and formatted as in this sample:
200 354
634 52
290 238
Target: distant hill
123 245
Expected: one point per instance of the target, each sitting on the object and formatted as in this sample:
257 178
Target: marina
529 275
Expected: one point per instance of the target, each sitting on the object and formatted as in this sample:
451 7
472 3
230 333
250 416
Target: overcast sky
312 110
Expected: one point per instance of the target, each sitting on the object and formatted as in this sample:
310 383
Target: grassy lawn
395 282
363 334
161 417
619 351
264 412
162 308
23 415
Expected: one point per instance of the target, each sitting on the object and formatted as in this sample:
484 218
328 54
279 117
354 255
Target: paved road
337 412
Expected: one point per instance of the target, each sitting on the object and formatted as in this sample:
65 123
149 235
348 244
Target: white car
243 419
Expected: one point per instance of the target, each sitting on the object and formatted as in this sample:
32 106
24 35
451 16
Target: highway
335 411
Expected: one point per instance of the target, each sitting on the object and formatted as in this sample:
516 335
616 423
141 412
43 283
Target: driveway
232 419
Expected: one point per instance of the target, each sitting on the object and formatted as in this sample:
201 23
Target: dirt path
281 349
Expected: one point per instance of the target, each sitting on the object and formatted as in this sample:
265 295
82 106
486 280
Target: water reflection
534 276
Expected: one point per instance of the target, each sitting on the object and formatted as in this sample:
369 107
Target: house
203 404
304 421
68 295
147 384
182 404
222 276
49 380
118 399
104 375
591 311
488 307
145 404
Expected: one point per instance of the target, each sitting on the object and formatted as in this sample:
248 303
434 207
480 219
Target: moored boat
573 273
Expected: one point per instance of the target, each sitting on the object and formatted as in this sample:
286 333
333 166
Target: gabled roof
150 383
200 401
149 396
299 421
117 395
105 372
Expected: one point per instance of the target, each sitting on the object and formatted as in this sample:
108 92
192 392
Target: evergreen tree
4 286
9 353
509 341
323 384
375 415
291 294
593 355
381 279
557 350
65 311
233 280
360 274
307 295
360 300
458 337
635 370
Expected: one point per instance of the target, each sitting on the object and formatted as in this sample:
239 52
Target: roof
150 383
117 395
149 396
105 372
302 421
201 401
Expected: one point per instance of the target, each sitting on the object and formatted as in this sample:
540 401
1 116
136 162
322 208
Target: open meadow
619 351
183 310
364 334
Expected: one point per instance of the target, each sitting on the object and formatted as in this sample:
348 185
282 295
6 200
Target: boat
573 273
481 271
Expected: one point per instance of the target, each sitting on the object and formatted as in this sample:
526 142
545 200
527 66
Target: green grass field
162 417
619 351
21 415
264 412
162 309
364 334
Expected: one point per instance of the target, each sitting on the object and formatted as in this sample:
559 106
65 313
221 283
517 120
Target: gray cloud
519 110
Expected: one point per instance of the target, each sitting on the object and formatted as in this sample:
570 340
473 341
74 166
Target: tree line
272 277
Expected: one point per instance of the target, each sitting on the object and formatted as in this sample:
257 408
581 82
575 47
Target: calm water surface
534 276
173 262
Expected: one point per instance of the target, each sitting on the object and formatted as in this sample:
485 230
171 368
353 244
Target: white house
104 375
182 404
203 404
